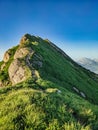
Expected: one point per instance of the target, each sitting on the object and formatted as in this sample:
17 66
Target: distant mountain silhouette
91 64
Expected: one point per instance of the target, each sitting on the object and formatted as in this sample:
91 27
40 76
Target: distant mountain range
91 64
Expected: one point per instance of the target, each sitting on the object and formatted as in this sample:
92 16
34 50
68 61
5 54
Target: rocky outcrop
22 67
24 39
24 61
6 56
22 52
18 71
2 66
27 38
79 92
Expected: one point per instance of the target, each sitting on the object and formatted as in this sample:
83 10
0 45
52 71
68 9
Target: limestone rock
18 72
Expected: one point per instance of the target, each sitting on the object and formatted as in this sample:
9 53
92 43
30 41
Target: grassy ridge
65 72
50 102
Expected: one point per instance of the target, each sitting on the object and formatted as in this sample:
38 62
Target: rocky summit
42 88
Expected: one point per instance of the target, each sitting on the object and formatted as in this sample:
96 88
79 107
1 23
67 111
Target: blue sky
70 24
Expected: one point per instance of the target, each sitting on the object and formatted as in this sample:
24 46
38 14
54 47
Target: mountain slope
91 64
46 89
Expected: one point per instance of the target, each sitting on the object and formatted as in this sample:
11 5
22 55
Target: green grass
23 107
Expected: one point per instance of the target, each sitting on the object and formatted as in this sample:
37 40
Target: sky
70 24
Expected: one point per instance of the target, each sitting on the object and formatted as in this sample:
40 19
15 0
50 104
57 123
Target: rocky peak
28 38
25 38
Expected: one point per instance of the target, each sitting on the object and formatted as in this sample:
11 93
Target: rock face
18 72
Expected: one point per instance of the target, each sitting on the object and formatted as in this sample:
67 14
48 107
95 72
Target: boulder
83 95
75 89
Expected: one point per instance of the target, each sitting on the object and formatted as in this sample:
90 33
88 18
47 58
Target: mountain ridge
46 89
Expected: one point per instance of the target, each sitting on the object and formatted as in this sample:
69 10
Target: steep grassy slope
53 101
64 71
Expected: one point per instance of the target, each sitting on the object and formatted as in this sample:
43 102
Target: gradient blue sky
70 24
